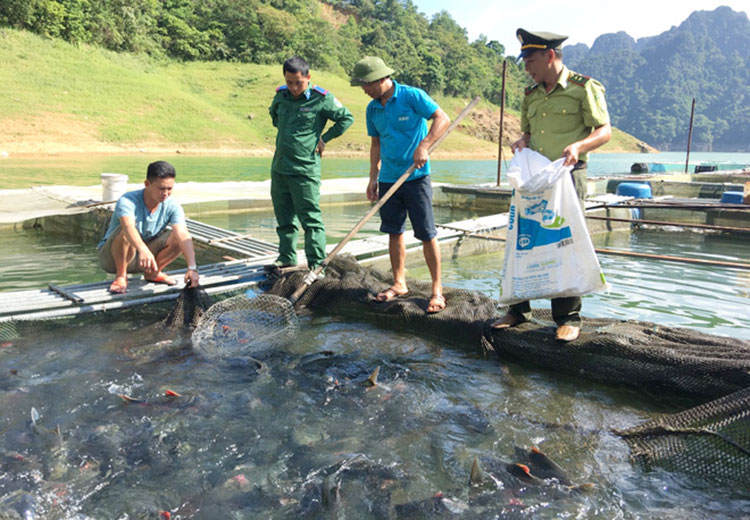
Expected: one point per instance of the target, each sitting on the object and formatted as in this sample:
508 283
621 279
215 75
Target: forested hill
332 35
651 82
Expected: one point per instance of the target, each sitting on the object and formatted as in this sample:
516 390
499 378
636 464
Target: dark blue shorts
415 198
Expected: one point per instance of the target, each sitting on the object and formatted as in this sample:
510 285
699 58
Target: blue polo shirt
148 224
401 125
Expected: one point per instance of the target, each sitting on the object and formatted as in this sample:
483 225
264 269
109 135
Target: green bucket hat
368 69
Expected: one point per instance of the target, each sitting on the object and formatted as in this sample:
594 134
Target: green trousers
565 311
296 200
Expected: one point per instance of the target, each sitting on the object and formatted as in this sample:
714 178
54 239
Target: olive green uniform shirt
567 114
300 123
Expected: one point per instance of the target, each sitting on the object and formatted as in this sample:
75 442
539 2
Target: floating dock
243 256
233 275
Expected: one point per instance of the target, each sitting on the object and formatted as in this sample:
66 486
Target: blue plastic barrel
733 197
639 190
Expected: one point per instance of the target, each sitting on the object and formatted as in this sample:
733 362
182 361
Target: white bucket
114 185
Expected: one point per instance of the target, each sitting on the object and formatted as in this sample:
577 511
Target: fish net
8 331
647 357
711 440
191 304
243 324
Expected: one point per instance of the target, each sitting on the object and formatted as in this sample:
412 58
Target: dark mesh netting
711 440
640 355
349 289
190 306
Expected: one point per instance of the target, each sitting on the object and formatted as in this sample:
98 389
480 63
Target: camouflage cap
535 41
369 69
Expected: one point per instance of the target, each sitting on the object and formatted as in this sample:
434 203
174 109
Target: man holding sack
563 115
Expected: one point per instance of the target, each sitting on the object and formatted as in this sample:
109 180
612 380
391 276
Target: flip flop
436 301
118 287
162 278
390 294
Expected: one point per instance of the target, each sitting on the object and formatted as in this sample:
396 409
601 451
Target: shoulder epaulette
578 79
320 90
280 88
530 89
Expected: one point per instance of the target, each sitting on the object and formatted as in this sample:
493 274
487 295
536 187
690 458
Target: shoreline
170 151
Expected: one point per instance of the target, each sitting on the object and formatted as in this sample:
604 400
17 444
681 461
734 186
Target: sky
582 20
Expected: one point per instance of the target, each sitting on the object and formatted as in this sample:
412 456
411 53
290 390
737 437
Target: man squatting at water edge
137 239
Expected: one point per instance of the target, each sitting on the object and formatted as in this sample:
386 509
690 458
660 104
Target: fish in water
542 466
342 487
533 468
20 502
53 446
437 506
545 468
331 492
373 379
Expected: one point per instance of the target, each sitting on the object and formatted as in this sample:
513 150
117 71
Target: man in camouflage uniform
563 114
300 114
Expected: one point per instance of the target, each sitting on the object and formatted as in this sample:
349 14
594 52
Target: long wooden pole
690 135
313 275
500 136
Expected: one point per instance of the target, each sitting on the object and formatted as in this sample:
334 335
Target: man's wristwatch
193 268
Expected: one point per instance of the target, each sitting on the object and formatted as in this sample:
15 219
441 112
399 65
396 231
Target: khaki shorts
107 261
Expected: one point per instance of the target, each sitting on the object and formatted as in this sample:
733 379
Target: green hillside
60 97
57 93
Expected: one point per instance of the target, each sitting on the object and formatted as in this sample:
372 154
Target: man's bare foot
161 278
119 285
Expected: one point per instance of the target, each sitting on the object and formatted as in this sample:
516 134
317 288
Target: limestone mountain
651 81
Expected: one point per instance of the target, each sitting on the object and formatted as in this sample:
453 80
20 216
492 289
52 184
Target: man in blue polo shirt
137 239
397 125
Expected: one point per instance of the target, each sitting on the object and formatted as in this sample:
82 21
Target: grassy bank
61 98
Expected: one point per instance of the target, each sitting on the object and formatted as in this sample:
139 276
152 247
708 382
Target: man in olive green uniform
563 114
300 114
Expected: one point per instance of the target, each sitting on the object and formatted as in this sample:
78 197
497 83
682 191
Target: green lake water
85 170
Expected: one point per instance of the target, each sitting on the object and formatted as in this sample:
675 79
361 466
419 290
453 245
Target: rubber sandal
390 294
567 333
439 301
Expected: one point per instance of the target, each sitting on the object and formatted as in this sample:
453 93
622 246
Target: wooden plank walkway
56 302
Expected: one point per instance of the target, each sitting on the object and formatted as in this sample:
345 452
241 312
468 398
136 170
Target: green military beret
534 41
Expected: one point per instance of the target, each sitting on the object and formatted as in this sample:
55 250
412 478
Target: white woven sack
548 253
